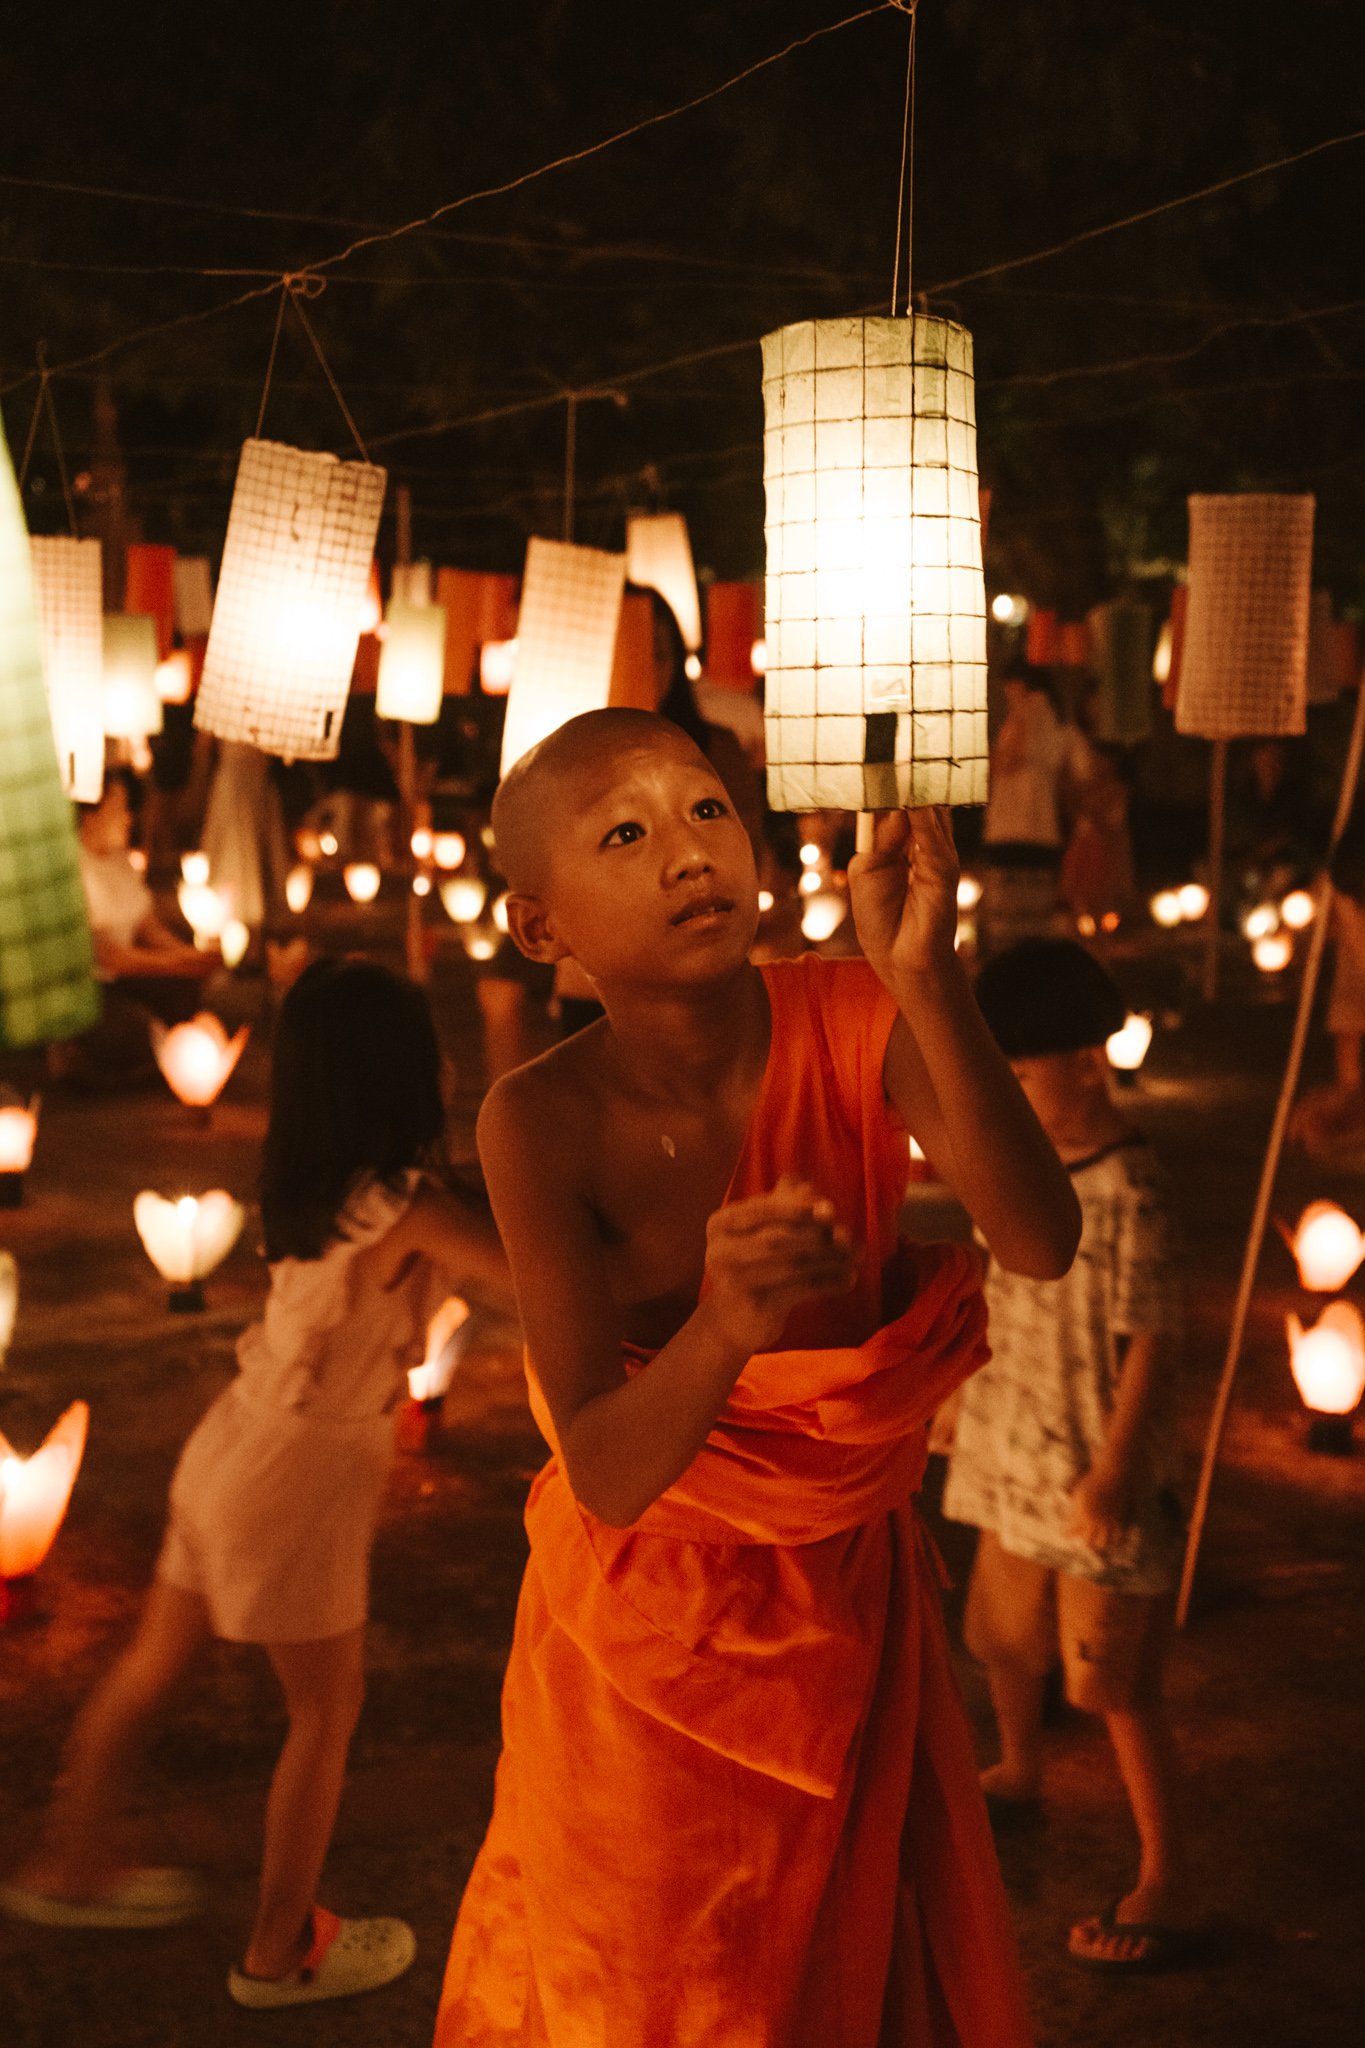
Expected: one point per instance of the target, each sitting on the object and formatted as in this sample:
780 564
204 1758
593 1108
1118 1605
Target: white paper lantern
412 663
876 608
67 589
193 586
132 702
296 569
566 637
1244 665
659 557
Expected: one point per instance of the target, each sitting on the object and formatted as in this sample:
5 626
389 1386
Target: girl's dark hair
355 1089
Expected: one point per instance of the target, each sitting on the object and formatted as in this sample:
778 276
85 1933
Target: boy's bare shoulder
551 1102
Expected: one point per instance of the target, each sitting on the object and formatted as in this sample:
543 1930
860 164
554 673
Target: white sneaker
347 1956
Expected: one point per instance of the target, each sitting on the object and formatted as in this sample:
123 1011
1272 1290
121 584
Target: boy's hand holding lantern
903 890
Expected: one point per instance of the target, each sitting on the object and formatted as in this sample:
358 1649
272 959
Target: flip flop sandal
1166 1948
347 1957
142 1898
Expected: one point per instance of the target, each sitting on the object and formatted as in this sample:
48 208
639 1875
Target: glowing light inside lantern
463 897
1273 953
197 1058
1261 920
412 664
1127 1047
810 855
497 667
132 708
1166 909
204 910
34 1492
1328 1246
175 677
822 915
187 1238
448 849
69 602
194 868
327 845
1009 610
1298 910
447 1334
233 940
968 892
298 888
1193 898
810 882
1328 1361
362 879
421 843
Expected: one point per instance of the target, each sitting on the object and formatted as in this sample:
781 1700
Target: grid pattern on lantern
47 987
67 591
875 605
659 557
1244 665
296 566
566 636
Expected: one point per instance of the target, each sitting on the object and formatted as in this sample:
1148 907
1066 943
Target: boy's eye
624 834
711 807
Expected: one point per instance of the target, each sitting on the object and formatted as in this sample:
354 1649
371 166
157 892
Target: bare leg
1017 1696
78 1858
1147 1763
323 1686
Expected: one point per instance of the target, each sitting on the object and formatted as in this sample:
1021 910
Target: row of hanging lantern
1327 1359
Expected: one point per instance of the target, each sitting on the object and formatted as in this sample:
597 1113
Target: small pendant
669 1147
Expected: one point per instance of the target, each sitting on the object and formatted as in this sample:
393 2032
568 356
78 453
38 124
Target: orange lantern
34 1493
197 1058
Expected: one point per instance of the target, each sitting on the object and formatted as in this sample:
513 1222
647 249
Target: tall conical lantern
47 984
875 602
286 620
67 588
659 557
566 634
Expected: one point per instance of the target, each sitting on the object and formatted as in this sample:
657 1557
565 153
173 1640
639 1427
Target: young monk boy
736 1805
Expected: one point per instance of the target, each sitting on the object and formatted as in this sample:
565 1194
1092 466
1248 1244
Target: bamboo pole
1279 1124
1213 928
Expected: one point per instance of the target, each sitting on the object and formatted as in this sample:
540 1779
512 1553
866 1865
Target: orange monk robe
737 1805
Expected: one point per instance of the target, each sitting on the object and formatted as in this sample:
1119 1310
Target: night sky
1217 347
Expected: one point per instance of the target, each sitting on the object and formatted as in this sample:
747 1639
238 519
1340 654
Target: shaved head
547 784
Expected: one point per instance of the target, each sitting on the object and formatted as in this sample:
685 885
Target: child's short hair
1048 995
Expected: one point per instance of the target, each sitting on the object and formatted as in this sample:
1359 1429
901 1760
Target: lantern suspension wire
296 291
905 185
44 403
1279 1125
270 361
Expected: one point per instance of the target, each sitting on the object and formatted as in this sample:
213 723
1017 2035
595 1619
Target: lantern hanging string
295 287
44 403
905 185
270 361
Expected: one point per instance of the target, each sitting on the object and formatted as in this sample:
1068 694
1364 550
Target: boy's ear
528 923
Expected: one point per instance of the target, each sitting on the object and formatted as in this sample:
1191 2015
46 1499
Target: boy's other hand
904 892
1101 1509
767 1254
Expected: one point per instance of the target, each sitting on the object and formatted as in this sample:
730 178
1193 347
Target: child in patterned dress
1064 1447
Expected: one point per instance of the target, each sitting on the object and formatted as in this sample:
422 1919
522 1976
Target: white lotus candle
187 1238
197 1057
35 1492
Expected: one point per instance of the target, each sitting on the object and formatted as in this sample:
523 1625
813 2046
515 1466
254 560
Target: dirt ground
1265 1683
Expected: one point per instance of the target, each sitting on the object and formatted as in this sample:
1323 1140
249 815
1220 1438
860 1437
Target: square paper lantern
412 663
1122 641
150 589
480 607
291 594
1244 669
566 636
193 587
68 592
47 984
132 701
659 557
876 606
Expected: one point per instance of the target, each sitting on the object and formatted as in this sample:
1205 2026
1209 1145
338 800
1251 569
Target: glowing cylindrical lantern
362 880
1328 1364
464 897
132 707
876 607
9 1300
1245 663
822 914
175 677
18 1130
186 1239
566 637
34 1492
47 984
192 583
296 568
1127 1047
197 1057
1328 1246
412 664
298 887
659 557
67 587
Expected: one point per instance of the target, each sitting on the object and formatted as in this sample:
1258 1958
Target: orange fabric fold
737 1805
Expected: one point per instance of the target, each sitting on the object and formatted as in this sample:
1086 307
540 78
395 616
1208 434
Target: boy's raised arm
944 1071
625 1440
